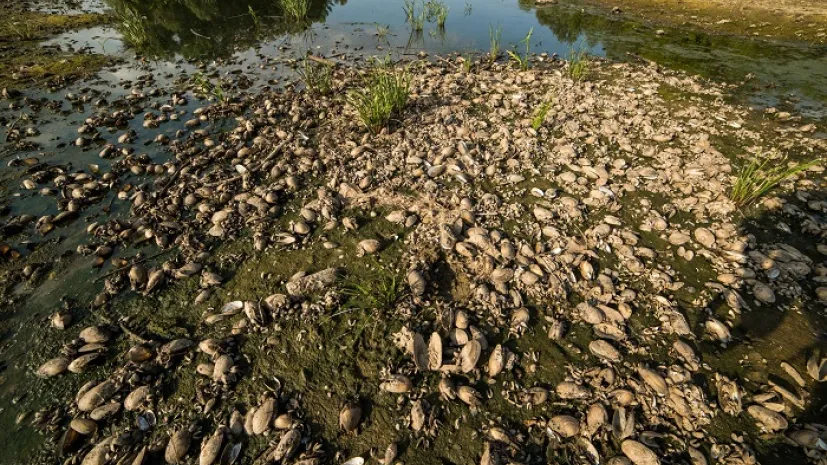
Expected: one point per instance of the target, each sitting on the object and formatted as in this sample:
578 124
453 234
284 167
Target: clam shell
349 417
653 380
136 398
397 384
638 453
605 351
287 446
769 420
469 356
496 362
420 352
53 367
435 351
96 396
565 425
264 415
211 448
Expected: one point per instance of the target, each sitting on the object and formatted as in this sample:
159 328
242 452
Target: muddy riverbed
546 257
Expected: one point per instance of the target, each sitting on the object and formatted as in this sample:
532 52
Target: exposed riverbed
182 84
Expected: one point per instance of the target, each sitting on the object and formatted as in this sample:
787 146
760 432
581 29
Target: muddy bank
789 19
25 63
520 265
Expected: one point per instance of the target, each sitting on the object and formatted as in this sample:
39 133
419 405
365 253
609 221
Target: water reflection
210 28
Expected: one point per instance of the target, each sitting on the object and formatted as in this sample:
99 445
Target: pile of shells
554 230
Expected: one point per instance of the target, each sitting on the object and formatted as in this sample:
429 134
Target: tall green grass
383 95
761 175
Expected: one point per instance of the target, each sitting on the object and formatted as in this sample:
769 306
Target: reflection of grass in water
296 9
132 27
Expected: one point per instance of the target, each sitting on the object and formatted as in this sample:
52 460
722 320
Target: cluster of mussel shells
220 185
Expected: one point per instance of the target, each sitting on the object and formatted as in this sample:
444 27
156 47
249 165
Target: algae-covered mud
428 233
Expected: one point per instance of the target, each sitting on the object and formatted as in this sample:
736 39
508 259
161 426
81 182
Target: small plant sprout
442 15
382 31
317 77
205 86
522 60
578 65
382 97
761 175
467 62
495 35
540 115
378 291
468 8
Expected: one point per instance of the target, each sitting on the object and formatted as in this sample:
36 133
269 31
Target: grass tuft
384 94
495 35
578 65
522 60
317 77
540 115
378 291
760 176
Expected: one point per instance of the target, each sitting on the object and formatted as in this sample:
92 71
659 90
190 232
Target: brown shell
53 367
397 384
420 352
97 396
178 446
469 356
638 453
264 415
350 417
435 351
564 425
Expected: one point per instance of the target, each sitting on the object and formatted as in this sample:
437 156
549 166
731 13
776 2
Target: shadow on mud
786 232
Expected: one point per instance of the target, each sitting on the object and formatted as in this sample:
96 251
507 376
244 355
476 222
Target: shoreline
758 19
